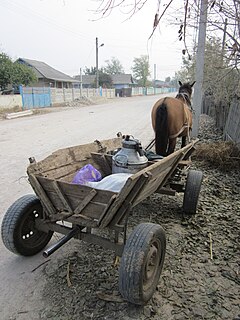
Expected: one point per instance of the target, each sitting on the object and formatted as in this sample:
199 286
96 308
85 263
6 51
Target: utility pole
199 71
97 73
80 82
155 78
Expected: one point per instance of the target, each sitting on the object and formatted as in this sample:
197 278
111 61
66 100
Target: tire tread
130 270
10 224
192 191
11 218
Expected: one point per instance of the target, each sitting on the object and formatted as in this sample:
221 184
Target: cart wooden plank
128 202
77 219
85 202
42 195
75 195
62 196
109 214
104 161
159 172
61 162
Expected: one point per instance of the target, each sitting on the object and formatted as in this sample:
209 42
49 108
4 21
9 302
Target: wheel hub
29 225
151 262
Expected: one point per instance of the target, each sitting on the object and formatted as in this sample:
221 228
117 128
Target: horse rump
161 130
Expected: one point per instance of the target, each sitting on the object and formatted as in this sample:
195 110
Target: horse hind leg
161 130
184 141
171 145
186 138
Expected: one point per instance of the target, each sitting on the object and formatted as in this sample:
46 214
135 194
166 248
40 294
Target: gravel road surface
192 285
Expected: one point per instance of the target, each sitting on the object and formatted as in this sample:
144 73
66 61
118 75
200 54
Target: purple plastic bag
86 174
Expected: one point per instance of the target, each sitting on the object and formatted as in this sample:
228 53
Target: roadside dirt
83 284
77 103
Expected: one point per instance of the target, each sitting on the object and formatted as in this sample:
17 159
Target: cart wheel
18 230
192 190
142 262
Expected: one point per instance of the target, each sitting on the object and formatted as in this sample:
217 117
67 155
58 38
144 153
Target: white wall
64 95
10 101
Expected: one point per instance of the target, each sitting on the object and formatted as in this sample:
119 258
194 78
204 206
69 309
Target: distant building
48 76
88 81
161 84
121 82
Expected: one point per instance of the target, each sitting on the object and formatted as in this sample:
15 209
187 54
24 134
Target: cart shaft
61 242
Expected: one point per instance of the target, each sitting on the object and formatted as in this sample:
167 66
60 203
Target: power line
29 13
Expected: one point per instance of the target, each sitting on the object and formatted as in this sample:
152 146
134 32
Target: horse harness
187 104
186 100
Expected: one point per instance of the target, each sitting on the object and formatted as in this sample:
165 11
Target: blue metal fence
151 90
33 97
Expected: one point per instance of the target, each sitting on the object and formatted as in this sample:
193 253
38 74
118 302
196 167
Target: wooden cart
30 221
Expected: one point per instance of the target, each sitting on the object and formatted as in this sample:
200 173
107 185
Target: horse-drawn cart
77 211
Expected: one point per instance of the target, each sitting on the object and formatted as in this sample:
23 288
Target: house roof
43 70
86 79
122 79
161 83
116 79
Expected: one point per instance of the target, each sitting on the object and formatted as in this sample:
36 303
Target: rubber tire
133 263
192 191
15 223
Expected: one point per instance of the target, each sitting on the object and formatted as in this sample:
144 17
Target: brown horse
172 118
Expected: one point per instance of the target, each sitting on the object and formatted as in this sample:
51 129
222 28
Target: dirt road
193 284
38 136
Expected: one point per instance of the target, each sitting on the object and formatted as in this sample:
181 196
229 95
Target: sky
62 33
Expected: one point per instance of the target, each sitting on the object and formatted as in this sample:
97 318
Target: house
160 84
121 82
48 76
87 81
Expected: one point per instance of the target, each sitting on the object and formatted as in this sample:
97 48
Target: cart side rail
74 203
162 171
142 184
124 199
159 175
64 163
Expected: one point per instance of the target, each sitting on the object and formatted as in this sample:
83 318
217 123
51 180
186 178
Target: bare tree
223 17
131 7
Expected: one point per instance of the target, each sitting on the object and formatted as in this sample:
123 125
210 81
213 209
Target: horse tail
161 130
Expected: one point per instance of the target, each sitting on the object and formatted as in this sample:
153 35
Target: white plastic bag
113 182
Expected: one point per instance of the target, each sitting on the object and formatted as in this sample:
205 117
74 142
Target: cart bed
51 180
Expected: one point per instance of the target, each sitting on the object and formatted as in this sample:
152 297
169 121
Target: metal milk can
130 158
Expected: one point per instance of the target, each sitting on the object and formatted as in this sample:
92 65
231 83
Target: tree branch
168 5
